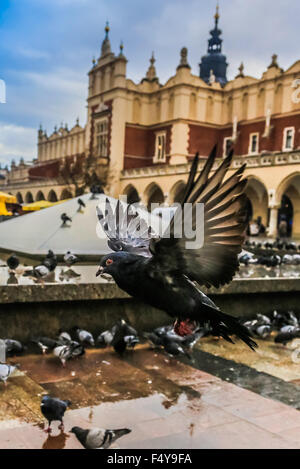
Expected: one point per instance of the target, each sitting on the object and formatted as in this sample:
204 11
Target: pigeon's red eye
109 261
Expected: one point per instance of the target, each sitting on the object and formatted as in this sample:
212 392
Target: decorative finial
66 126
106 29
77 121
217 15
55 129
183 59
121 48
241 71
106 49
151 72
94 61
274 62
41 127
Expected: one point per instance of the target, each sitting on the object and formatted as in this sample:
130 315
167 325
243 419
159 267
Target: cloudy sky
46 50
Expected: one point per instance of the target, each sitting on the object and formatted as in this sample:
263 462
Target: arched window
52 197
40 196
19 198
28 198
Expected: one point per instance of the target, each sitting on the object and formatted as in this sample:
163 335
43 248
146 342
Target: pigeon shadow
56 442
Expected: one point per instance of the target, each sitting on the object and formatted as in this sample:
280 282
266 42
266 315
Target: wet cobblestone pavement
166 403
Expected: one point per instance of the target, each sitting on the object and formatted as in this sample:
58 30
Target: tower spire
217 14
106 47
151 72
214 59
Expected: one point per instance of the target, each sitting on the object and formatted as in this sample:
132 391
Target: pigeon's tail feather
226 325
121 432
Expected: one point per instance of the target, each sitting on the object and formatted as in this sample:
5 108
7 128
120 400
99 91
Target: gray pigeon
85 337
6 371
98 438
105 339
70 258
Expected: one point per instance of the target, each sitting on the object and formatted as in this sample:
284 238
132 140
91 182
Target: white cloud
16 142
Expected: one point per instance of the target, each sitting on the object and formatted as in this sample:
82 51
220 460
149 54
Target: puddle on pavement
103 388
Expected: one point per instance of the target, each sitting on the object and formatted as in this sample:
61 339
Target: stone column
272 228
179 143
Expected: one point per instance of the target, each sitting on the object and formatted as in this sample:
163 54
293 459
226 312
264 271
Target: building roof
34 234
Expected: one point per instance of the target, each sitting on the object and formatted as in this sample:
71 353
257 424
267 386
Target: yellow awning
9 199
3 209
40 205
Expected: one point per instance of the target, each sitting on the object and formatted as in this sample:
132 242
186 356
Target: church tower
214 64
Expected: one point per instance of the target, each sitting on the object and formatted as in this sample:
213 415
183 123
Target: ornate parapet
255 161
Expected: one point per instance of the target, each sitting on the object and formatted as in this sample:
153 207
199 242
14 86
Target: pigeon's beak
100 271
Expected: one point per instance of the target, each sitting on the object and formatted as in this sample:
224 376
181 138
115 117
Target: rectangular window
102 138
226 146
160 148
288 138
253 144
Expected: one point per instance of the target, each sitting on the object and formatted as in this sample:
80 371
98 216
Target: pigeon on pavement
13 346
13 262
98 438
6 371
64 218
85 337
45 343
70 258
53 409
69 351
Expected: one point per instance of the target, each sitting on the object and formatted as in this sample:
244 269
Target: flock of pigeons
72 344
42 271
270 254
286 326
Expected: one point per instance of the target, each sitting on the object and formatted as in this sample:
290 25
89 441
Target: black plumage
13 262
64 218
53 409
165 275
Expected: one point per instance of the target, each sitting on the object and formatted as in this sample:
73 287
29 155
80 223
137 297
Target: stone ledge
110 291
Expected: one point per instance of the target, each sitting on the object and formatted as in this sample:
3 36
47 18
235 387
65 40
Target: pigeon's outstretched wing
125 228
214 263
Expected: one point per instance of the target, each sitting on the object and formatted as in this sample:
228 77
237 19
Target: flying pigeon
98 438
166 273
53 410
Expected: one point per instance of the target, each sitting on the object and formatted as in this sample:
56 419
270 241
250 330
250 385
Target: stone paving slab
167 404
